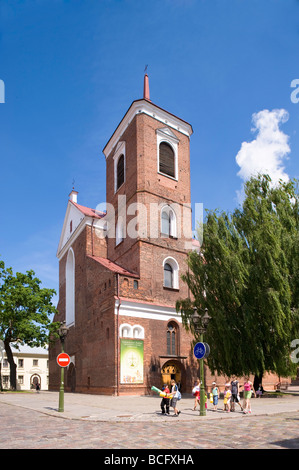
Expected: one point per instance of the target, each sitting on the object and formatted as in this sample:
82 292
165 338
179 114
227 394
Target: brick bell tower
148 193
120 271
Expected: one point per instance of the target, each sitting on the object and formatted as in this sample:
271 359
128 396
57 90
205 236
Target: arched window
129 331
119 164
168 275
166 159
138 332
171 273
165 223
120 232
172 339
168 222
125 331
120 171
70 288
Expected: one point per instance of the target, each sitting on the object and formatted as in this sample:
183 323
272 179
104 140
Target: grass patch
273 393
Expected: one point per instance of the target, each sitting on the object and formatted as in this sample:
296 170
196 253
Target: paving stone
32 424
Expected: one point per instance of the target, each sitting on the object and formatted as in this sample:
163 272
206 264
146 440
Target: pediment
167 132
72 220
118 147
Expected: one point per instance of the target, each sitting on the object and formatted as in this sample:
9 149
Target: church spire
146 91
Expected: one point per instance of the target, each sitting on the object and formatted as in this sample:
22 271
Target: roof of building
153 106
88 211
25 349
116 268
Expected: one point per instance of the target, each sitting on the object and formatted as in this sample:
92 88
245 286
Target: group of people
231 395
166 402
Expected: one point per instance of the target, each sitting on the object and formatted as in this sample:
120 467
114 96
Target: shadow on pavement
288 443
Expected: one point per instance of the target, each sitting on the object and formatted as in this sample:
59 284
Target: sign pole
63 361
202 386
61 390
201 351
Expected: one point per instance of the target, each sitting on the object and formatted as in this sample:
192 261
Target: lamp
62 331
200 322
205 319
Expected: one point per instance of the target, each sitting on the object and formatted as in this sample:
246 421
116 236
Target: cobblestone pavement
23 428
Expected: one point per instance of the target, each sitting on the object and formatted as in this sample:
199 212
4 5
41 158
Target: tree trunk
257 380
12 366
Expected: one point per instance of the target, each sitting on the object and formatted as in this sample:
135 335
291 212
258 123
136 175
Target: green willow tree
247 277
25 310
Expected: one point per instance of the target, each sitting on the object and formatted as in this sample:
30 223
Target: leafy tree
25 308
247 277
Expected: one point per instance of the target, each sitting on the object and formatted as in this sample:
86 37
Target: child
227 397
215 394
165 400
196 393
259 392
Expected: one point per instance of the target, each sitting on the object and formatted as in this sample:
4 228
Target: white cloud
267 153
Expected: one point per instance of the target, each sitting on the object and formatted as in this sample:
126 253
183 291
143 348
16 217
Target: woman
175 393
235 393
248 388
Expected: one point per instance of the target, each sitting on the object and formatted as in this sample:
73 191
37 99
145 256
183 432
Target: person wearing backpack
176 396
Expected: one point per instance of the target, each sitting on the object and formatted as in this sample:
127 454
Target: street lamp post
63 331
200 323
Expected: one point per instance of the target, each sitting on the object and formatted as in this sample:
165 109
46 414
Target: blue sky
72 68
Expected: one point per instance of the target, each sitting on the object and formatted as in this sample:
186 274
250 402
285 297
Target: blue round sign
199 350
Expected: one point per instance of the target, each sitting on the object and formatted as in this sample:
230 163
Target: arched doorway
71 377
34 380
171 370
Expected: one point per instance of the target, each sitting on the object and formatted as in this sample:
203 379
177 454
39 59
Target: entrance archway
171 370
34 380
71 377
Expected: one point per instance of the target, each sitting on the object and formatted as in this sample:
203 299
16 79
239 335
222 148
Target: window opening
166 159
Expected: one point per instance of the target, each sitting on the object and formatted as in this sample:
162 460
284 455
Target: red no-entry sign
63 359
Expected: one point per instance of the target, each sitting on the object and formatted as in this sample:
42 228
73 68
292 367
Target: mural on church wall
131 361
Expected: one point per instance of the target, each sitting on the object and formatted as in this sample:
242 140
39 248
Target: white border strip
141 310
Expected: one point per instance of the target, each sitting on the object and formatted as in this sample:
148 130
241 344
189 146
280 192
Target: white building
32 368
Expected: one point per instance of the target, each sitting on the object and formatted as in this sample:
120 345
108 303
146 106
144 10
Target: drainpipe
92 236
117 336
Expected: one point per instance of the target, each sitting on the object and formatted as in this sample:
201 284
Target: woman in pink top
248 387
